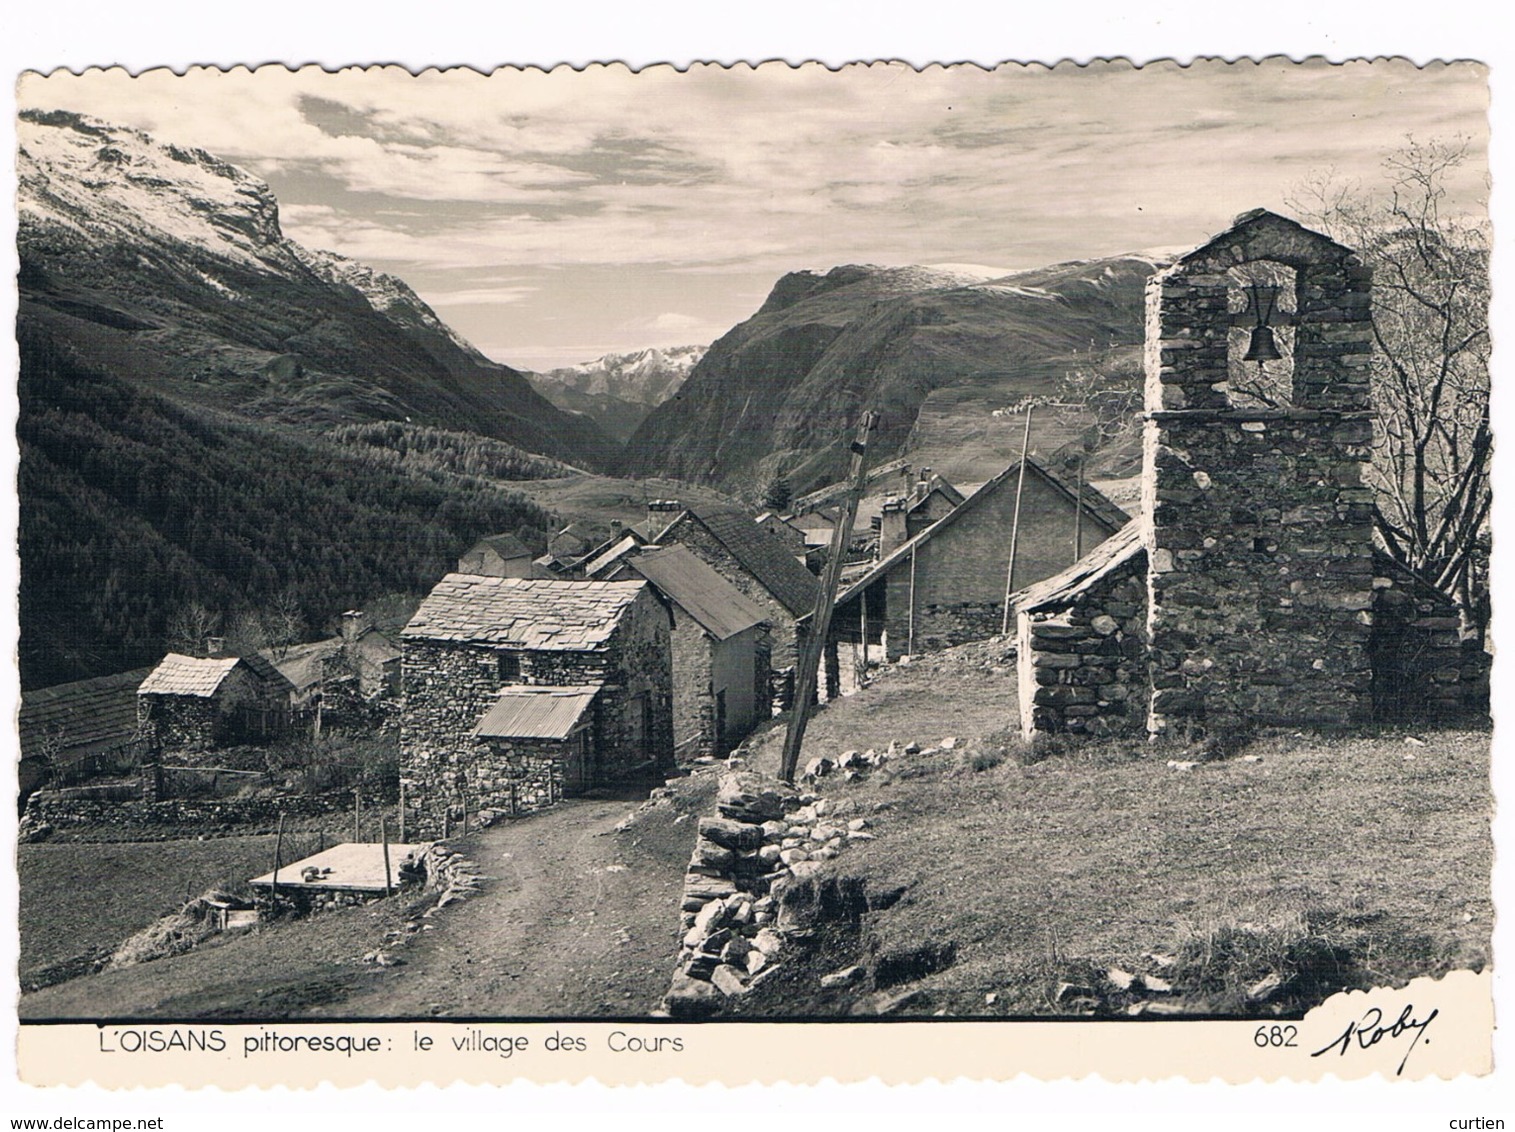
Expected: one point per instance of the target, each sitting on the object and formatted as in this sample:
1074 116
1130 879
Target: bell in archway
1262 348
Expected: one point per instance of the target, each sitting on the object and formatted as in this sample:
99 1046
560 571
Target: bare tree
1431 363
190 626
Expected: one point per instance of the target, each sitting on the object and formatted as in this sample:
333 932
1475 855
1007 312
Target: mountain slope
132 506
617 391
934 352
167 266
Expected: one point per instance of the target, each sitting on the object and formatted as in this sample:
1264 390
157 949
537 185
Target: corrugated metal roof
80 715
536 712
527 613
179 675
721 609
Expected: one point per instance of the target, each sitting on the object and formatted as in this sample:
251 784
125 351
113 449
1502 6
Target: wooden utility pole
1078 514
1015 526
384 837
820 619
278 854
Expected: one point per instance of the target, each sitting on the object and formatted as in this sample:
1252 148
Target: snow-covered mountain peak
90 177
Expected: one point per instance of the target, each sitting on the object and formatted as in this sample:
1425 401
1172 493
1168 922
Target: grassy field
83 898
1321 862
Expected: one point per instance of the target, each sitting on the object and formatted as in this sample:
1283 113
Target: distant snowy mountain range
617 391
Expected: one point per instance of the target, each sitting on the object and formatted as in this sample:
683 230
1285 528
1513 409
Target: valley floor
1296 863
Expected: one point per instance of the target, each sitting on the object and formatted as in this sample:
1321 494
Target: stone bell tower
1258 528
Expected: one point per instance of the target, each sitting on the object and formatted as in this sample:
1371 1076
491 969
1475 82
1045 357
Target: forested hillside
133 506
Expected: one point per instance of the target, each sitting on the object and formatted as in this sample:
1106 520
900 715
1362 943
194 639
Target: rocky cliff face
167 266
617 391
935 352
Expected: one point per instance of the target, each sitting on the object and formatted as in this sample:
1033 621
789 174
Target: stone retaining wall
1083 667
767 836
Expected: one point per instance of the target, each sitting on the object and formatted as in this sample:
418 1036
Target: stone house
500 556
720 650
475 639
1250 590
904 516
195 703
759 565
341 677
945 585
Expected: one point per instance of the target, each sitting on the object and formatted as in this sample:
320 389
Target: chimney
354 621
214 646
661 512
891 529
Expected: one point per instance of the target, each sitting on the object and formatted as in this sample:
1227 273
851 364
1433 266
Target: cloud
765 170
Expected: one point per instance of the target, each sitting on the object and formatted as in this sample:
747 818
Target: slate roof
506 546
179 675
270 677
720 608
527 613
305 665
1063 587
81 714
536 712
763 556
1095 504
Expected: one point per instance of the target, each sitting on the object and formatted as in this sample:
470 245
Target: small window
510 666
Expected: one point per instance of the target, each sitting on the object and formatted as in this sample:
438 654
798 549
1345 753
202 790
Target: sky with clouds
555 216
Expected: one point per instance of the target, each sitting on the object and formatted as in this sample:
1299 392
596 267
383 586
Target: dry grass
1328 862
84 899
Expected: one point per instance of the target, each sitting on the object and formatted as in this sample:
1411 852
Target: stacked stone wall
1423 667
693 708
181 723
448 687
62 809
1260 535
1083 665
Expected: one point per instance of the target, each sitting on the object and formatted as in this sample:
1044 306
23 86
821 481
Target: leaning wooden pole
389 886
825 599
273 887
1015 525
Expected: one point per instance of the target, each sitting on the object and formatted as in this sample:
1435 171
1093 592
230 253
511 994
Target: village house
720 650
946 584
499 556
752 560
519 691
60 726
337 677
1250 591
902 517
195 702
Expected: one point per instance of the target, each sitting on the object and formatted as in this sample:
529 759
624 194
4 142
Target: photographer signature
1367 1031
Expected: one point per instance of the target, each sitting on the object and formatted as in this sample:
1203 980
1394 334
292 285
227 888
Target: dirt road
574 919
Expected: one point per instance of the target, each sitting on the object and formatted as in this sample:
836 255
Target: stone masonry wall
1422 667
448 687
181 723
693 708
1260 536
960 573
1083 667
